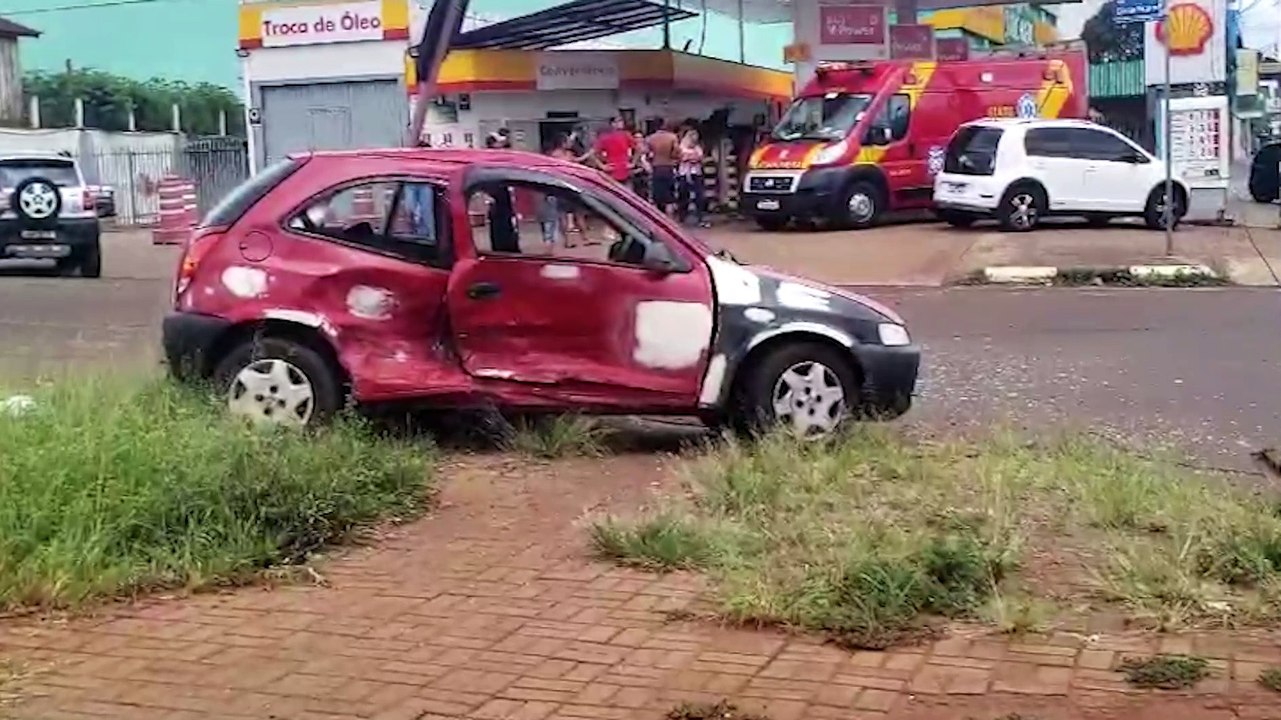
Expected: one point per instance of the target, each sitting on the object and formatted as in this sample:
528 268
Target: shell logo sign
1186 29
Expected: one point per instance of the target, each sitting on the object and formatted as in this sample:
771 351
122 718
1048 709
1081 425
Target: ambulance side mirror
879 135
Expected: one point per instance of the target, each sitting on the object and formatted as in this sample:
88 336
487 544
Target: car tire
1097 220
860 206
957 218
269 379
765 388
91 262
770 223
1022 208
1154 209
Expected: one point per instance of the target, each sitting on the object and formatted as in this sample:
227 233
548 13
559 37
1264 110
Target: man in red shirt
614 150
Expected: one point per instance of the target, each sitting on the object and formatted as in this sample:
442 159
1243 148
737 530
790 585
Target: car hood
853 297
756 285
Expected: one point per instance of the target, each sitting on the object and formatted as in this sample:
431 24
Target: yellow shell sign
1186 29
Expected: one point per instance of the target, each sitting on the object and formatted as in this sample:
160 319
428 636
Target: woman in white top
689 174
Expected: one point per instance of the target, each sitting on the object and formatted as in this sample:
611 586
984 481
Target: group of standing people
665 168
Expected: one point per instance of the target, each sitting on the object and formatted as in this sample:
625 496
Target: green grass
554 437
110 487
1165 672
872 537
1271 679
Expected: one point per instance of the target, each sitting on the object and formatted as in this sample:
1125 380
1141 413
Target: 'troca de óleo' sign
315 24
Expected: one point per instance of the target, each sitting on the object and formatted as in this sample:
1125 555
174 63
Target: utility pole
442 25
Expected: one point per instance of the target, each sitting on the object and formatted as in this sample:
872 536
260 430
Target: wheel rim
272 392
860 207
38 200
809 400
1023 211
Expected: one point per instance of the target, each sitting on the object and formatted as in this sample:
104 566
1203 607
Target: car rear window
972 151
60 172
248 193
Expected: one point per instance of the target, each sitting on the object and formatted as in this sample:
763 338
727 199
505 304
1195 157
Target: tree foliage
1108 41
108 98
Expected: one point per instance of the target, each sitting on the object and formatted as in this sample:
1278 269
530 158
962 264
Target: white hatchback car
1020 171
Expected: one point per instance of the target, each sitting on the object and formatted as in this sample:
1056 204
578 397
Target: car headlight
831 153
893 335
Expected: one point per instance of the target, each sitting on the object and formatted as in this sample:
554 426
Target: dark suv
48 213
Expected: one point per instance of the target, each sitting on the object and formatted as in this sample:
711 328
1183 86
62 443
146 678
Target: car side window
1090 144
533 220
1047 142
899 111
401 218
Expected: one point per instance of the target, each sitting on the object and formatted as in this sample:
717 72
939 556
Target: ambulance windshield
821 117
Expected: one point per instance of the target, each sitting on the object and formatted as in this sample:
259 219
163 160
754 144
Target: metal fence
216 166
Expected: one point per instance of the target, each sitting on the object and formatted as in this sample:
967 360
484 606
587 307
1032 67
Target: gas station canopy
773 11
571 22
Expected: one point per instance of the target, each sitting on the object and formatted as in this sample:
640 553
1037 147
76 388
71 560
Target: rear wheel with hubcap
807 389
1021 208
276 381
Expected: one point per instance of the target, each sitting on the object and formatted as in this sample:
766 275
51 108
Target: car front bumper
817 194
889 379
189 340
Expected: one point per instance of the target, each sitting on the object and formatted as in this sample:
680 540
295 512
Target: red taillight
89 199
195 250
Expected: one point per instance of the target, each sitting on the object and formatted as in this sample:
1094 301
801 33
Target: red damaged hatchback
468 278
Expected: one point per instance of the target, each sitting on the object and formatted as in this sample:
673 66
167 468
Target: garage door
332 116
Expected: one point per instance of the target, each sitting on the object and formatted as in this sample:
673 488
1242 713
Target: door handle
483 290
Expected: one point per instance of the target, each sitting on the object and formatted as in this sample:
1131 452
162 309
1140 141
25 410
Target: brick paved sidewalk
488 611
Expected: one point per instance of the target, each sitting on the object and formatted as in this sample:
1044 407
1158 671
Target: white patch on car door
245 282
671 335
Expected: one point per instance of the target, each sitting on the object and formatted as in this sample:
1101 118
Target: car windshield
821 117
60 172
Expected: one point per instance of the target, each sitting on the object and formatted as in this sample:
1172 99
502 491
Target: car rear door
578 322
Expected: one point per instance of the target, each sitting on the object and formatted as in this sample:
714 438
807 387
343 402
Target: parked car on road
1265 175
1021 171
104 200
48 213
363 276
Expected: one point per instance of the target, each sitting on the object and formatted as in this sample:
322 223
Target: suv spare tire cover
36 198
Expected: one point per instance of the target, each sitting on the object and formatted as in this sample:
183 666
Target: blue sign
1137 11
1025 108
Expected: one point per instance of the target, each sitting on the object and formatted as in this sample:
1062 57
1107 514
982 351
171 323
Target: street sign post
1145 11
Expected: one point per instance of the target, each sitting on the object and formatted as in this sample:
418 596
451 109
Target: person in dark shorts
664 155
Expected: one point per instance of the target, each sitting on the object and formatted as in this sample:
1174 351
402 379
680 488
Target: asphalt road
1194 368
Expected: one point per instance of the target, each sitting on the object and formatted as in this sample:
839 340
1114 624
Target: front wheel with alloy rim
1154 211
861 205
275 381
806 389
1021 208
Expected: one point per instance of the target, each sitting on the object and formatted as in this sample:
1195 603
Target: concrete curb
1165 274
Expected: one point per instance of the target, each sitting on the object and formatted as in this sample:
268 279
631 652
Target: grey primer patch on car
774 306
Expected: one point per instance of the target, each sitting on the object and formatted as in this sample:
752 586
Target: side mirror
659 259
879 135
1135 158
